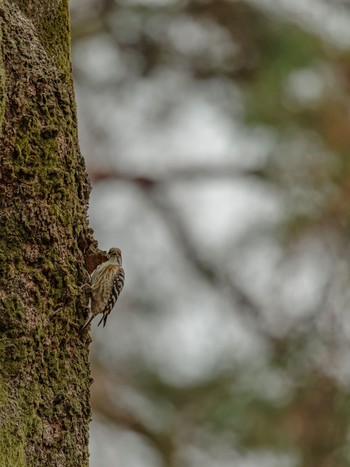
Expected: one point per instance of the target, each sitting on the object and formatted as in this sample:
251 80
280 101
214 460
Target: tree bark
44 243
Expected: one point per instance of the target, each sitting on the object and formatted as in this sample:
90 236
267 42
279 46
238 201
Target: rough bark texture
44 242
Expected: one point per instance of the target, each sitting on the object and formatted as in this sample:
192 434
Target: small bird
107 281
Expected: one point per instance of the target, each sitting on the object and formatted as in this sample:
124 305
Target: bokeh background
217 138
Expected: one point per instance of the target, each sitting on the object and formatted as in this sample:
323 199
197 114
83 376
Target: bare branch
176 175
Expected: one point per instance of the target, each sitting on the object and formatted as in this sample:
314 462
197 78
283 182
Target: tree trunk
44 241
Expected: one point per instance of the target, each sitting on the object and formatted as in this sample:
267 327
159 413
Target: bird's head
116 254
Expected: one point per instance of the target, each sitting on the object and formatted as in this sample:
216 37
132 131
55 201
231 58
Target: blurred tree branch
217 277
178 175
104 403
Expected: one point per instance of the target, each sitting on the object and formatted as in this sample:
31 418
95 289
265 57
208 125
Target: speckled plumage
107 281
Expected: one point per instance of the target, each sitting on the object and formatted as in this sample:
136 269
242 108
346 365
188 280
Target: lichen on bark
44 242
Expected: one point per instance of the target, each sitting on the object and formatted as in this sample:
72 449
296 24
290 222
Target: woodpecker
107 281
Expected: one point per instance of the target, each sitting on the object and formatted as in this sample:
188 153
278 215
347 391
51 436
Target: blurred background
217 138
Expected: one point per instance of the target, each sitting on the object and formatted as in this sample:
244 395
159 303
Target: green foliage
282 50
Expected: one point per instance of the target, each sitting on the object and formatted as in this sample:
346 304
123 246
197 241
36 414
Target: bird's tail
104 318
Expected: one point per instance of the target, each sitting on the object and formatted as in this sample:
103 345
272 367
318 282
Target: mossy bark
44 242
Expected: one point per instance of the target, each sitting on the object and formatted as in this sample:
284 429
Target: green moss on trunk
44 238
51 21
